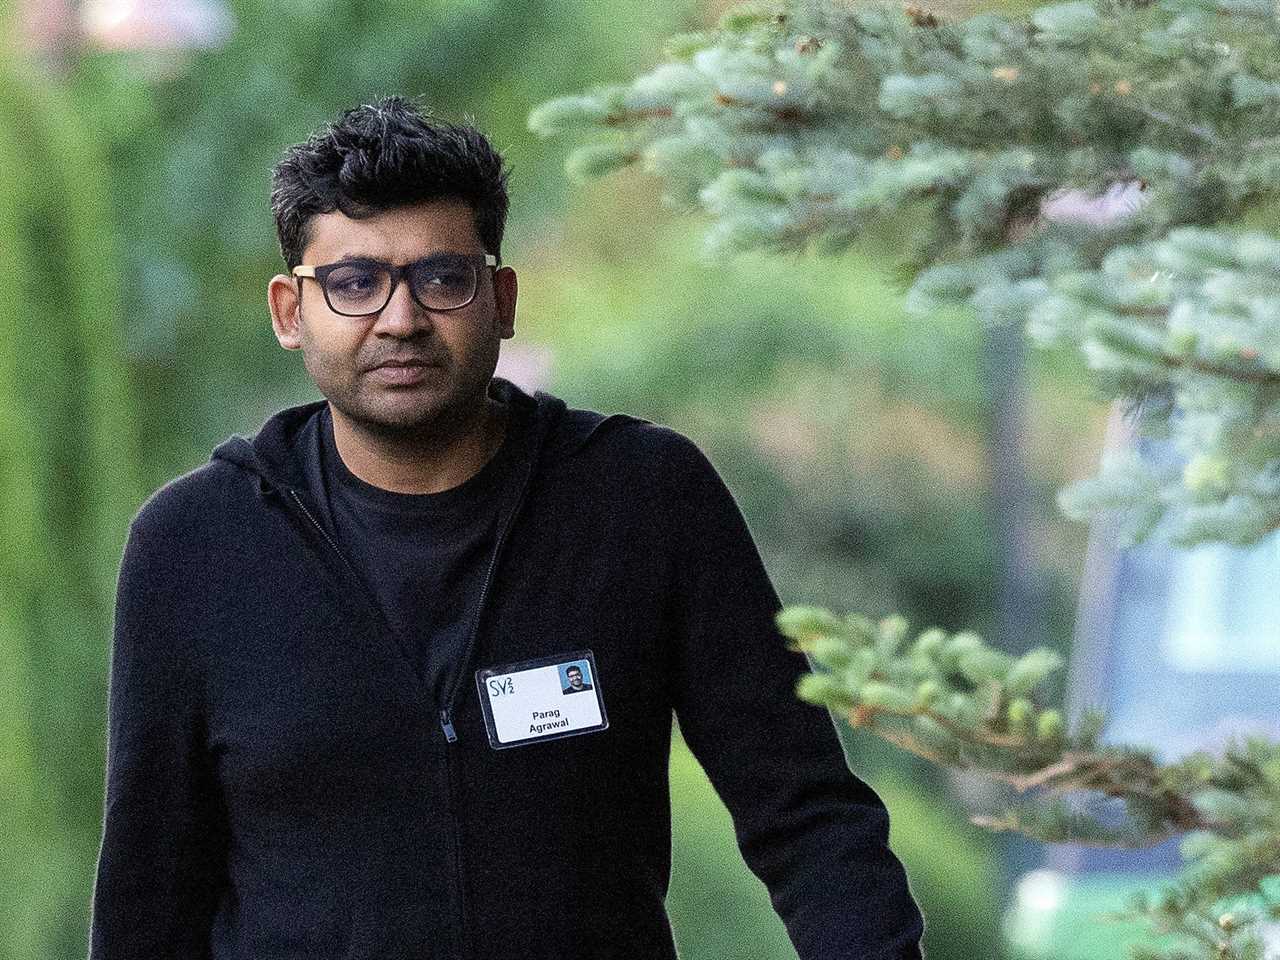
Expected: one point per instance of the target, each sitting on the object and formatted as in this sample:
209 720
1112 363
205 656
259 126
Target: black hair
384 155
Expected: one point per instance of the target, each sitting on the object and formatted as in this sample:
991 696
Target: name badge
543 699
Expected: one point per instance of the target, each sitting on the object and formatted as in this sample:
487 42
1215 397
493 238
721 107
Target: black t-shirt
423 555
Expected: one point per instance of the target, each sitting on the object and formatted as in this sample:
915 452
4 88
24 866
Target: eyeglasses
358 288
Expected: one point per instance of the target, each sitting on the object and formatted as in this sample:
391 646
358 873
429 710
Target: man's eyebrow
359 258
369 258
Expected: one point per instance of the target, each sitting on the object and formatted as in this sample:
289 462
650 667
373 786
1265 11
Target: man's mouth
405 371
403 362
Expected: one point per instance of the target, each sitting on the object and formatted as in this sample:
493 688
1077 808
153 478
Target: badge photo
543 699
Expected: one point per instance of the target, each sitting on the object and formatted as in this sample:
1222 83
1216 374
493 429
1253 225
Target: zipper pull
446 724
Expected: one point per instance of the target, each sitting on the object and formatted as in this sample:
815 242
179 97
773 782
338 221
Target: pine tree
954 700
1084 173
802 127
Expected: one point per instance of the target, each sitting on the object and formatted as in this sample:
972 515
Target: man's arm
814 834
161 865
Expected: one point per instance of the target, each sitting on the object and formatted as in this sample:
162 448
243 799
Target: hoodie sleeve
160 866
811 831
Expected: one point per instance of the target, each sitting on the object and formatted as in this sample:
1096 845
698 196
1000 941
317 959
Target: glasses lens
357 288
443 282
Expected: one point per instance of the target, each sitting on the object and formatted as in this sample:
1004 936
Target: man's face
404 371
574 677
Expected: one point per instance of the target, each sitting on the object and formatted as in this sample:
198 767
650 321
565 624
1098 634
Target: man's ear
504 297
284 300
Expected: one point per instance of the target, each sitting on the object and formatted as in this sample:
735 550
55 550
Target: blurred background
883 463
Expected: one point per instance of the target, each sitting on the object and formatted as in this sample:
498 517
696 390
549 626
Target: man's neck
429 464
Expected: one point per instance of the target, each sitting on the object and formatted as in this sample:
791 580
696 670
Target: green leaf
596 159
1270 887
1030 670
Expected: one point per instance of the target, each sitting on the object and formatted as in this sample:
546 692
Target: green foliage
953 700
67 488
806 125
948 697
1190 322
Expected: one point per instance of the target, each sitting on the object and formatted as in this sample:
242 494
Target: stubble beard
431 423
437 421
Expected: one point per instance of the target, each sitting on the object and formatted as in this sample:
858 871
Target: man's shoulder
627 441
193 502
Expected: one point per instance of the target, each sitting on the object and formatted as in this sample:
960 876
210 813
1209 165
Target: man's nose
402 316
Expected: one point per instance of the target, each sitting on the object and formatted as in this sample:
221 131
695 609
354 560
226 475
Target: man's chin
418 413
401 421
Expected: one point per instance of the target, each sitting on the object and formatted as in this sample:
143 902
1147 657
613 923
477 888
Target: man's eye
448 279
355 282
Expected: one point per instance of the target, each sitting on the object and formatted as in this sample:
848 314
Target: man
336 726
574 676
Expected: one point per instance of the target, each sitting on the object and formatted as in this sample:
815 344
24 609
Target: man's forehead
396 234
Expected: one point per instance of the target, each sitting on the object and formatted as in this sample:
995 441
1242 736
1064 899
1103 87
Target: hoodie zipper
446 714
370 600
329 540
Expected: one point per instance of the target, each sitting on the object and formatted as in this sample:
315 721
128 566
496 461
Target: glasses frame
320 274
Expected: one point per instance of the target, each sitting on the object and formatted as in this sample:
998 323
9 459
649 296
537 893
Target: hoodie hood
275 455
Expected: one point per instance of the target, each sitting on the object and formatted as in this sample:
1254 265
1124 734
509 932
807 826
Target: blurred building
56 28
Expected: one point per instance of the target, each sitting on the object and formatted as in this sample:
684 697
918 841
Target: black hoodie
282 784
